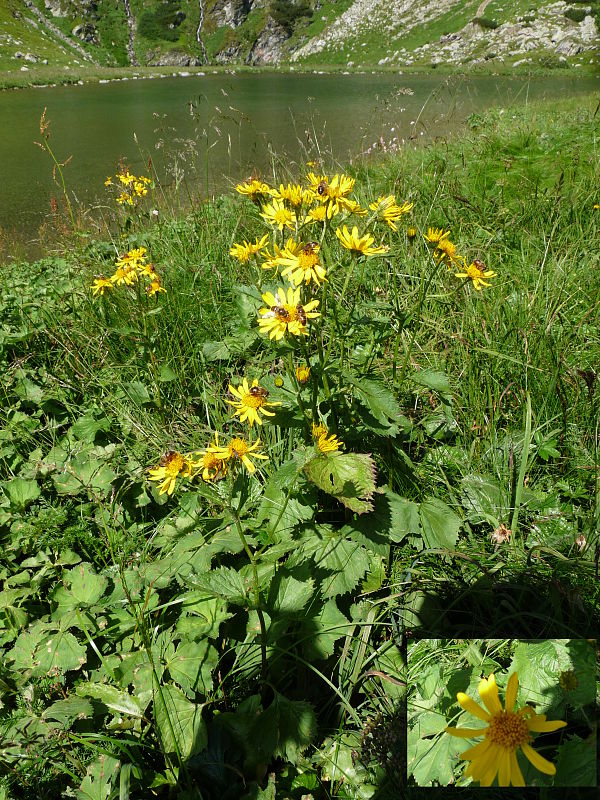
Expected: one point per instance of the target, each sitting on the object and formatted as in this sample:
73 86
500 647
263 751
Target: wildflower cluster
130 186
445 251
130 268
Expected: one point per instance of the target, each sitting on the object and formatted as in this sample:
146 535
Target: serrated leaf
439 523
224 582
67 711
300 505
192 665
287 595
321 630
179 723
431 760
43 648
380 400
117 700
431 379
576 763
21 492
99 778
345 561
349 477
392 519
82 588
297 727
84 473
202 616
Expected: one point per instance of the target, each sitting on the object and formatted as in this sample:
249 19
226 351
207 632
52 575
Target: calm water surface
206 131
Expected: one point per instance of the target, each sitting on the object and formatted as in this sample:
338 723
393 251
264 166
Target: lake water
207 131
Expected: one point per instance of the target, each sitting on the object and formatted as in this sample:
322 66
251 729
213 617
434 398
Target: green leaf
576 763
118 701
349 477
484 500
138 393
202 616
392 520
436 381
321 629
84 472
341 561
439 523
42 648
86 428
224 582
192 665
82 587
97 784
21 492
297 727
67 711
431 760
300 506
166 374
287 595
380 400
179 722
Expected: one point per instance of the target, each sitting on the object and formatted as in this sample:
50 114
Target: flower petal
477 751
538 724
538 761
516 776
466 733
511 693
504 767
488 691
472 707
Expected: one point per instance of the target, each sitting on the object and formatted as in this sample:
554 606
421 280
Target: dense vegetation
180 617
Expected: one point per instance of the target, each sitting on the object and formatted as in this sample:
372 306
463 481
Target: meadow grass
246 636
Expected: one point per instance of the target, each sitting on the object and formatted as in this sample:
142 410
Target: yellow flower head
211 467
285 314
244 251
507 730
435 235
332 193
358 244
253 189
127 275
329 444
154 286
277 215
302 374
294 194
251 402
135 258
238 450
317 214
388 210
272 260
476 272
411 232
169 469
446 251
100 285
301 262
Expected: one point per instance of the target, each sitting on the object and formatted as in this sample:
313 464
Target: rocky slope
352 33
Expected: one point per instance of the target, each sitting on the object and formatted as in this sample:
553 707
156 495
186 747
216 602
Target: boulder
86 32
568 47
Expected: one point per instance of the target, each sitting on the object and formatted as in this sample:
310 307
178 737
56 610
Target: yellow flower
329 444
253 189
476 272
170 468
446 251
126 275
251 400
154 287
277 215
411 232
596 205
108 181
318 430
332 193
507 731
302 374
134 258
100 285
294 194
318 214
212 468
285 313
301 262
126 178
389 211
434 235
239 450
271 261
244 251
358 244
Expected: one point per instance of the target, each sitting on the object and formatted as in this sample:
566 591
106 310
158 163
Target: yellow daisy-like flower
334 193
389 211
596 206
301 262
295 194
318 430
277 215
253 189
108 181
476 272
154 286
171 467
358 244
435 235
272 260
238 450
126 178
302 374
317 214
125 198
411 232
133 258
446 251
251 402
328 444
244 251
285 313
127 275
100 285
507 730
212 468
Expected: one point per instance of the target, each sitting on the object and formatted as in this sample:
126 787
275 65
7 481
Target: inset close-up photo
502 713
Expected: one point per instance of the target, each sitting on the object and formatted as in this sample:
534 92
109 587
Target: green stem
522 469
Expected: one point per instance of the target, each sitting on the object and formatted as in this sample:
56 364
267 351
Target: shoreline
42 79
